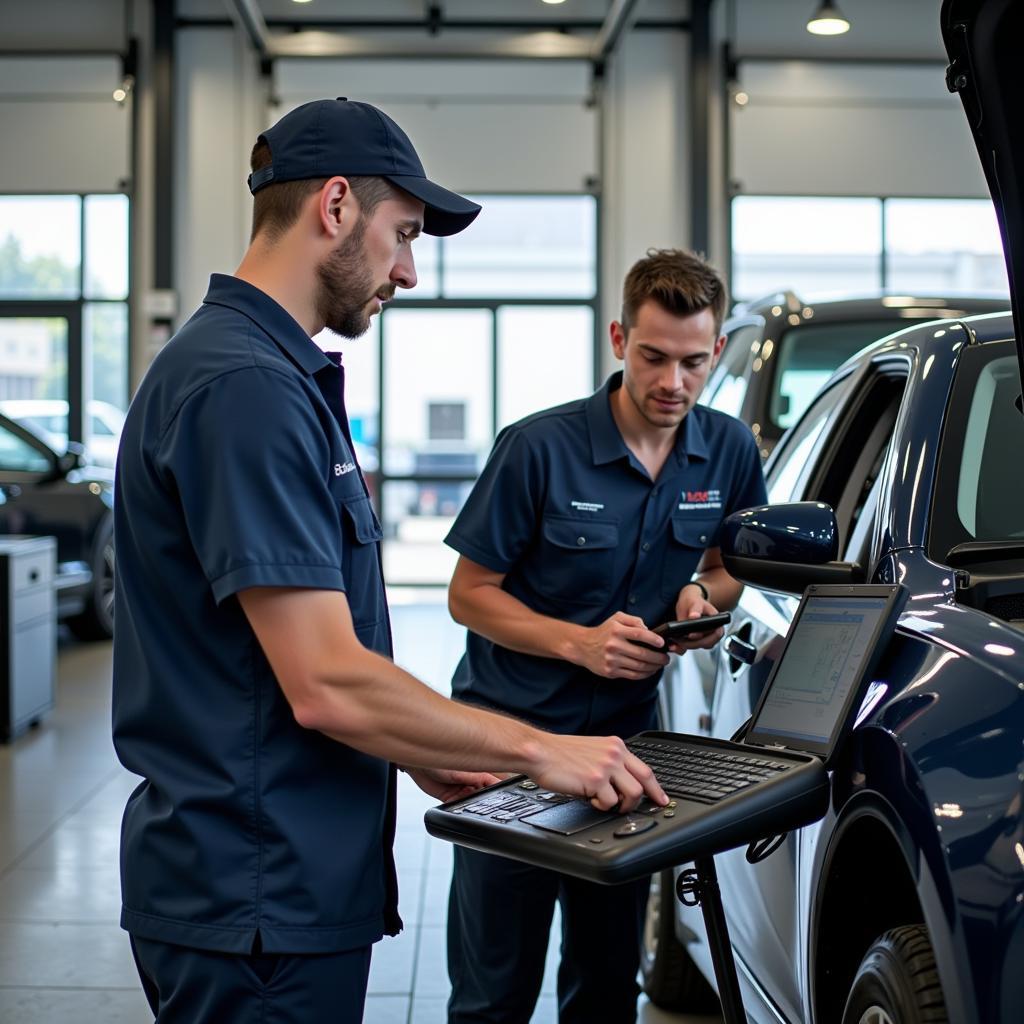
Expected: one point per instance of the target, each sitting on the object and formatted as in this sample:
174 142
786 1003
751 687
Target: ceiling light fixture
554 1
827 21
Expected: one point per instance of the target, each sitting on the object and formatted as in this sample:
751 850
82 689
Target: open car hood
985 43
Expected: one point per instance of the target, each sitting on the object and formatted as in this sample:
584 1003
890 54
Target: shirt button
581 541
632 598
703 538
646 547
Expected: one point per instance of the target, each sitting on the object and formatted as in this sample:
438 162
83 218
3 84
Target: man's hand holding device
693 605
685 634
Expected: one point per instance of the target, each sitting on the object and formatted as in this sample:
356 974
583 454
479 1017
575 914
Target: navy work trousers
499 919
195 986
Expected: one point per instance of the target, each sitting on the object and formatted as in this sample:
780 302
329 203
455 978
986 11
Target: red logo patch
696 495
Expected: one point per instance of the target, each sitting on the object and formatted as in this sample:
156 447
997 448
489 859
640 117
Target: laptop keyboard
705 775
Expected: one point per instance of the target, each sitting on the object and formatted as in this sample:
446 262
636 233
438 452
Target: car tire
897 982
671 979
96 622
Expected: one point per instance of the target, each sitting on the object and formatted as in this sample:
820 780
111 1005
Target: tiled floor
63 957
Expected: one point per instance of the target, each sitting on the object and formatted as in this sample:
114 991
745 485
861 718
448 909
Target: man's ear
337 207
716 352
617 333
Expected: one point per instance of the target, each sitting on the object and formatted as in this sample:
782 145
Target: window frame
380 479
884 253
73 311
945 533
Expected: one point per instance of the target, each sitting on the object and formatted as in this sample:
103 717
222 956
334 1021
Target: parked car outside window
45 492
48 418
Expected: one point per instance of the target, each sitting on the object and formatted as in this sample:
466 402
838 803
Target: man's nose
403 273
671 378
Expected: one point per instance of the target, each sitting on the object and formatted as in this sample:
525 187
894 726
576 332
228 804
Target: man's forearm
492 612
373 705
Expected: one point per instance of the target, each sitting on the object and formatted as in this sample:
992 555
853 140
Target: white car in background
47 418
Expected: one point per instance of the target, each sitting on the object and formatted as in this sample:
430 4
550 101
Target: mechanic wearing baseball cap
254 691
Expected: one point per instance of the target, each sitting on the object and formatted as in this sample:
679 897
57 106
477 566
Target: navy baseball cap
342 136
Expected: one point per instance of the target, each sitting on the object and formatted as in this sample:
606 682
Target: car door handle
739 650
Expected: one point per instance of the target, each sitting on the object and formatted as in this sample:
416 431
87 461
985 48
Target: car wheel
96 622
670 977
897 982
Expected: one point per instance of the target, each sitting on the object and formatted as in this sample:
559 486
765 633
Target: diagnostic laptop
722 794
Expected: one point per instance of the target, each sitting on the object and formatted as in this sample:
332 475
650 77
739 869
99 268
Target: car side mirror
72 459
786 547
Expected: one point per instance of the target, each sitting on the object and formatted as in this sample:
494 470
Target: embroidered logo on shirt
586 506
711 498
341 469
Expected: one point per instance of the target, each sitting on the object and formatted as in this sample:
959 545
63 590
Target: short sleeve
247 456
499 519
748 489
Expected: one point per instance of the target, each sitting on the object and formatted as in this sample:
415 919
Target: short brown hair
276 207
680 282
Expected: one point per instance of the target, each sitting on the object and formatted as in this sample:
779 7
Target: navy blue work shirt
568 513
236 470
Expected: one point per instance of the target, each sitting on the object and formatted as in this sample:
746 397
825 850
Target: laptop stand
699 886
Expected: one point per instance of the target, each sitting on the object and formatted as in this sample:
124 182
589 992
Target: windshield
980 455
807 357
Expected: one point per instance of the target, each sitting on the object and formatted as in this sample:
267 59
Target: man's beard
346 286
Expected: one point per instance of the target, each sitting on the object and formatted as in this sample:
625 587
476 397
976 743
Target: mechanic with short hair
586 528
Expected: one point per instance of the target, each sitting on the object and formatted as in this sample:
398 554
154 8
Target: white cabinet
28 631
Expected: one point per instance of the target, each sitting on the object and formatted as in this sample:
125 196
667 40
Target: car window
18 456
727 391
852 460
979 457
809 354
98 428
54 424
794 457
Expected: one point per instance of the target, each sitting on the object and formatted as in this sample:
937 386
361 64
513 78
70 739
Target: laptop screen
833 644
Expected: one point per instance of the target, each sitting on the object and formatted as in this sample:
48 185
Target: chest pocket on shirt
359 563
578 559
689 537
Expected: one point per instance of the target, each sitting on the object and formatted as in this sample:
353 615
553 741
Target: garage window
831 247
64 317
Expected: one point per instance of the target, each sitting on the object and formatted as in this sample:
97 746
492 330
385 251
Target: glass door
437 428
36 350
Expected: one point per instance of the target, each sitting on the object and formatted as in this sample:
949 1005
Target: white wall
63 129
478 126
890 29
219 110
852 129
63 25
645 200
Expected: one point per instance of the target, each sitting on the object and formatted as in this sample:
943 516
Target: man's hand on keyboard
599 768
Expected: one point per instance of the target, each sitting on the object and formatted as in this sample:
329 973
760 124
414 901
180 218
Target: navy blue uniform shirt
236 470
573 519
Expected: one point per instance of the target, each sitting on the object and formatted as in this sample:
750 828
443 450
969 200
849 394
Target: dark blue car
906 903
